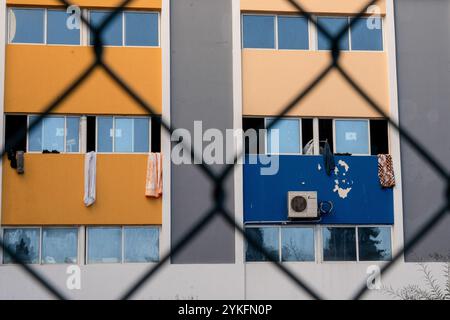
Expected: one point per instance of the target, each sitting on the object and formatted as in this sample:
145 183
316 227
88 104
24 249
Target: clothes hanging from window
153 182
328 159
20 159
309 148
90 171
12 158
386 171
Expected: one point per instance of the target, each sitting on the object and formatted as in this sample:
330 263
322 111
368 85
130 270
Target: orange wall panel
136 4
271 79
51 192
313 6
36 74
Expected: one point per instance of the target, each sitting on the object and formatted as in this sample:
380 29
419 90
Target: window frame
266 138
368 135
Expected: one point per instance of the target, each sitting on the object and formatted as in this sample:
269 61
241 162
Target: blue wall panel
353 188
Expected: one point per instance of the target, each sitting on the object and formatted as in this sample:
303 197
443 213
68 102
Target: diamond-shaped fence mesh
219 193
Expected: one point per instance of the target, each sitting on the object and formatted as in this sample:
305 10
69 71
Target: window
374 243
112 34
14 125
379 137
141 244
267 238
59 245
258 31
339 244
284 136
333 26
367 34
293 33
254 137
352 136
23 242
104 245
123 134
297 244
26 25
54 133
57 30
141 29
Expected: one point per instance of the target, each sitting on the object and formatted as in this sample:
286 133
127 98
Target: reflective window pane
57 29
73 134
53 134
333 26
141 29
288 140
374 243
104 245
352 136
367 34
141 135
141 244
35 135
123 141
59 245
293 33
104 134
112 35
265 237
26 25
339 244
259 31
297 244
24 243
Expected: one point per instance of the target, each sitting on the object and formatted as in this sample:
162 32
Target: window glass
112 34
26 25
259 31
288 131
333 26
374 243
47 135
104 245
352 136
339 244
265 237
73 134
293 33
104 134
57 30
141 29
141 244
297 244
59 245
367 34
123 141
35 135
24 243
141 135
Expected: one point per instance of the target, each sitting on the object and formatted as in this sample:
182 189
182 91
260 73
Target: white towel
90 168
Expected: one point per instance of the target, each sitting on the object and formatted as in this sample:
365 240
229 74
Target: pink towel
153 182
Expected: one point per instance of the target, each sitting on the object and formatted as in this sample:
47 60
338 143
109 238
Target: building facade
208 67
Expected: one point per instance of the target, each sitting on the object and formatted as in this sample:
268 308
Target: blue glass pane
59 245
289 136
352 136
112 35
367 34
53 134
293 33
297 244
374 244
141 29
333 26
27 26
57 30
35 135
141 129
73 134
123 141
104 134
104 245
339 244
24 243
141 244
265 237
259 31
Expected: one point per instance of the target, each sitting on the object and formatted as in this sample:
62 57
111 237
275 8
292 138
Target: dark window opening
156 134
379 140
90 134
253 140
15 133
307 131
326 133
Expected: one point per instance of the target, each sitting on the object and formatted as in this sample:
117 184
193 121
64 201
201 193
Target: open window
15 133
379 137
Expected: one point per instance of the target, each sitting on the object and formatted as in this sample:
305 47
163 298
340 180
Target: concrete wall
423 60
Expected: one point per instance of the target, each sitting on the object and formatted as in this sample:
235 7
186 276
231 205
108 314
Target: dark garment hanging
328 159
12 158
20 162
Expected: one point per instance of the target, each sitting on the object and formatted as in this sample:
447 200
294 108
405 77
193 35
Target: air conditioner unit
302 205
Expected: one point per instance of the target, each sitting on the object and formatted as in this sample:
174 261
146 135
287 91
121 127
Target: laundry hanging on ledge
386 171
153 182
90 171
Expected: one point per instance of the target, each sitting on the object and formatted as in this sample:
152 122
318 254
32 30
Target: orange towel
153 182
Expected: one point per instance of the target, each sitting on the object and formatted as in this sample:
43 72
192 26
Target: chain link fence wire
219 194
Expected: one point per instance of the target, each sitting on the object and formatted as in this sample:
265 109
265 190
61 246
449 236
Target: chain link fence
219 193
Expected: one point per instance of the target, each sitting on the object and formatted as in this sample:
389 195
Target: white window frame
368 135
266 142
